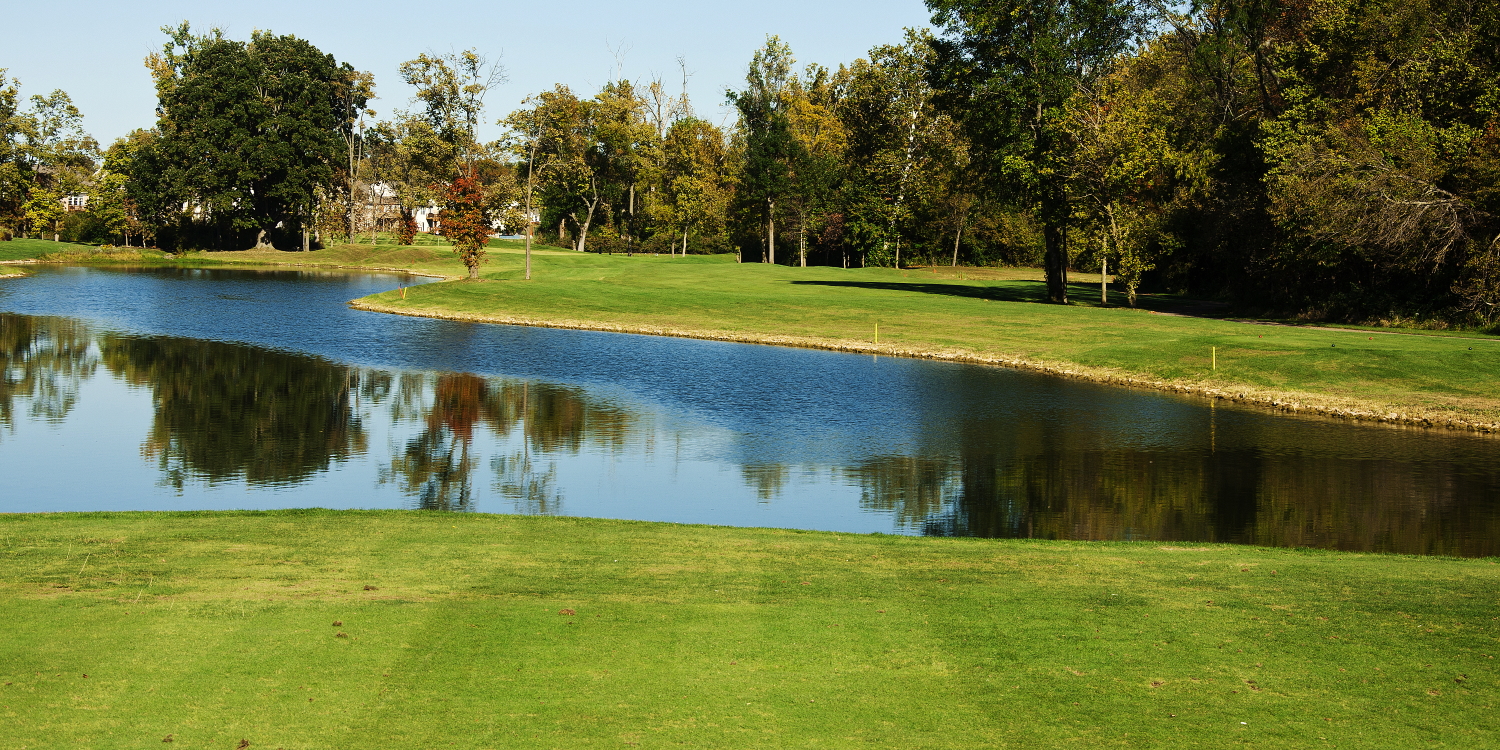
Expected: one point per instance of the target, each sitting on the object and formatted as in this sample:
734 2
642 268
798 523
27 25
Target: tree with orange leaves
466 222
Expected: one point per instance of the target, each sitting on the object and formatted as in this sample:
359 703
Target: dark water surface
145 389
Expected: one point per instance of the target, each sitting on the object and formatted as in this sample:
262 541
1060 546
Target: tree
451 90
557 135
43 209
696 182
249 131
1132 171
45 154
15 169
900 144
108 204
822 143
527 128
1006 70
466 222
769 145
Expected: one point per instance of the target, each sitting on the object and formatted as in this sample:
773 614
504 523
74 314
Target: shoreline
1289 402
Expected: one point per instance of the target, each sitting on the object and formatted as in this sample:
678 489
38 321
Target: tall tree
769 145
451 90
1007 70
249 130
696 183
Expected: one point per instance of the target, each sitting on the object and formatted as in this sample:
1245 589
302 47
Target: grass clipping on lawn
302 629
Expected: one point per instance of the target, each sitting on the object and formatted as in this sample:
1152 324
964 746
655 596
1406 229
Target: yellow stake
403 292
877 333
1215 356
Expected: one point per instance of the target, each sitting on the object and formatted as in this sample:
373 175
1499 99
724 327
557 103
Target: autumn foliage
465 221
406 231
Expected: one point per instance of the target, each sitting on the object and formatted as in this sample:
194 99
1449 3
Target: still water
155 389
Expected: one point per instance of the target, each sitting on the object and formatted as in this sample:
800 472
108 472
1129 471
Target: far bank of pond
982 316
229 388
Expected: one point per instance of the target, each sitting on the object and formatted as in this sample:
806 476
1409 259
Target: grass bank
991 316
310 629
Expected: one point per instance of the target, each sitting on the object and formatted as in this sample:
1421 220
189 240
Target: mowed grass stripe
718 637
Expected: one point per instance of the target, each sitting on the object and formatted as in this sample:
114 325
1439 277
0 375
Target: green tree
822 143
249 131
451 90
558 132
900 145
769 145
697 184
43 210
1007 70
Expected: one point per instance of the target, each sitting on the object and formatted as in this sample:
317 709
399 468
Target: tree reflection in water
1275 483
437 467
544 421
225 411
43 361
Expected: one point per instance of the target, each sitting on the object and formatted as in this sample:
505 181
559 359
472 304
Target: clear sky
93 50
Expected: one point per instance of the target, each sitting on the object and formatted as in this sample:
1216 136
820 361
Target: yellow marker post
1215 350
403 292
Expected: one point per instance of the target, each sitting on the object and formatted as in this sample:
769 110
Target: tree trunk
770 233
684 243
1055 235
583 230
530 182
802 245
1104 274
630 223
528 245
958 236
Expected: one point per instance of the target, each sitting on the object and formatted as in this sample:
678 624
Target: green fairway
317 629
26 249
997 316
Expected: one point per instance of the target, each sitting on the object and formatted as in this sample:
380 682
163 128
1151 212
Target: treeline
1329 158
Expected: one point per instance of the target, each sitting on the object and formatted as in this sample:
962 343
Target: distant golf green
306 629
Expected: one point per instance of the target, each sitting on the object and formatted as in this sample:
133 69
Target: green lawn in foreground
998 316
320 629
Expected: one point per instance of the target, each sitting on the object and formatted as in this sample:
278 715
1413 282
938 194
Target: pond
164 389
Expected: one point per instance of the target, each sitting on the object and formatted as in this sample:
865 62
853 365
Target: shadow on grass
1086 295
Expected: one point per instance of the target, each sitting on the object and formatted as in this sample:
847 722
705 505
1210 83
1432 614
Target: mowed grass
27 249
998 314
316 629
429 254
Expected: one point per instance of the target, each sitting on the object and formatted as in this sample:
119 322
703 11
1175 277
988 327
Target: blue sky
93 50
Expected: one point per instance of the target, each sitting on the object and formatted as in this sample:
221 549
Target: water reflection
956 451
43 361
226 412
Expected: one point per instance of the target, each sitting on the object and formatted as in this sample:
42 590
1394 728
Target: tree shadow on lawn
1083 295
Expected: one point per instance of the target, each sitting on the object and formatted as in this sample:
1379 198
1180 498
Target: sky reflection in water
172 389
